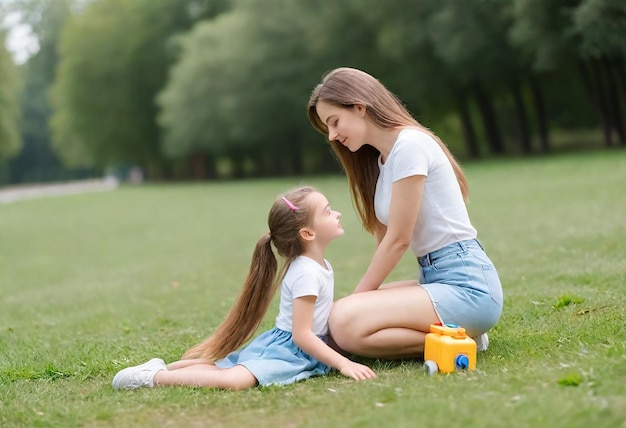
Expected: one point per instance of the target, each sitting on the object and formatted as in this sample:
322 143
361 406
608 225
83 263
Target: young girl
301 225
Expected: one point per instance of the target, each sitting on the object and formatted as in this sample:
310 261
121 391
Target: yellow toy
447 349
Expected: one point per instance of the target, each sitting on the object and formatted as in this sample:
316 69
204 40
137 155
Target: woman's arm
406 199
303 336
379 233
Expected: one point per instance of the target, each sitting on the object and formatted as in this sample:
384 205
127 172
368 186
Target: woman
409 192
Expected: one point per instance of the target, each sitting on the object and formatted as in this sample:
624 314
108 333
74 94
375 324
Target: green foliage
246 92
471 36
37 161
10 141
171 83
602 28
92 283
200 99
541 29
114 59
571 379
227 101
566 300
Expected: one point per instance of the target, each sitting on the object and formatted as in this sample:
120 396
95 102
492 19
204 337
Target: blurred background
217 89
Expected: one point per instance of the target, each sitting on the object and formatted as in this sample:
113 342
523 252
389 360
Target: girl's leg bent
191 362
391 322
207 375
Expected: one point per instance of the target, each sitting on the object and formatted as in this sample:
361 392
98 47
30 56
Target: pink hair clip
291 206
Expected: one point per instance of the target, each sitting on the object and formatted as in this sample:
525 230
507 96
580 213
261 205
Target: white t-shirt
443 217
306 277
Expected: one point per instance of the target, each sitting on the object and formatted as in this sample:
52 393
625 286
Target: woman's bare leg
207 375
333 345
390 322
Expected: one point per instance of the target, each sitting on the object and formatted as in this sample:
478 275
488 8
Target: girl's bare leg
207 375
191 362
390 322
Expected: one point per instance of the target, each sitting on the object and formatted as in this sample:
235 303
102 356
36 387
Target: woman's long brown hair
261 283
347 87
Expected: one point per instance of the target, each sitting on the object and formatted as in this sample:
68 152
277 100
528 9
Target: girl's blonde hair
347 87
261 283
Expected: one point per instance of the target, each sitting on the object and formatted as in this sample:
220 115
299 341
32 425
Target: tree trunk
296 166
469 134
600 79
540 113
202 166
492 132
614 102
237 159
619 73
521 117
275 165
595 95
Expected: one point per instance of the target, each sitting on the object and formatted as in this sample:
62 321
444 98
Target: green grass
92 283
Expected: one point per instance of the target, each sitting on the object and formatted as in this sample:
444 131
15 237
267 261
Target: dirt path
17 193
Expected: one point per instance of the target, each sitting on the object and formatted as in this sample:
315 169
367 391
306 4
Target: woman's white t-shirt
306 277
443 217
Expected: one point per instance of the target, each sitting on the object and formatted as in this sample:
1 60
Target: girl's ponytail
248 312
286 217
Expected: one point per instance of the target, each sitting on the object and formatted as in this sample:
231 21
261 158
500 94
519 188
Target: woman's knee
343 324
341 314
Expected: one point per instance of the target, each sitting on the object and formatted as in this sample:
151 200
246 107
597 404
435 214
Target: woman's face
346 125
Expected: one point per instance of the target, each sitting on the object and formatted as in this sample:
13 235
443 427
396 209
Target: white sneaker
482 342
138 376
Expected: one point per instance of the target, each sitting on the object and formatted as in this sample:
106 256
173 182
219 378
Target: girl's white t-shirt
306 277
443 217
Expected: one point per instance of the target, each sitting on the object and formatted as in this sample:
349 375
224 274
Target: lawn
95 282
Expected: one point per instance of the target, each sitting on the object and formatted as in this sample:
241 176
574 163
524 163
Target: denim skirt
274 359
463 285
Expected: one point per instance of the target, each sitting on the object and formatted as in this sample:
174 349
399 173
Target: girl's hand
357 371
303 308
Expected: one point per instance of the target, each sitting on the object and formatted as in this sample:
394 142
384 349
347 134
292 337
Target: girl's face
326 224
348 126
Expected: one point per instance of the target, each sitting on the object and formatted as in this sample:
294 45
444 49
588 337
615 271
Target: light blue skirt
274 359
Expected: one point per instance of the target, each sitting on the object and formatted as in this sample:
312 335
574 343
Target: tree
115 57
413 69
37 160
601 25
244 98
10 141
563 37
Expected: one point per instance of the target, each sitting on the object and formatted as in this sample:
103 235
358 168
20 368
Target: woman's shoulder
414 141
408 134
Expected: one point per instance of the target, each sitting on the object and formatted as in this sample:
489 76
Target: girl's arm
406 199
306 340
